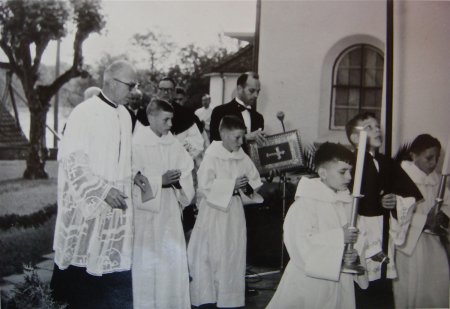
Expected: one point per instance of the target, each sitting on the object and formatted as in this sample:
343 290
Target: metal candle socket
353 268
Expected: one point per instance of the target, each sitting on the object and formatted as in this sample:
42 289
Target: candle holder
354 268
438 203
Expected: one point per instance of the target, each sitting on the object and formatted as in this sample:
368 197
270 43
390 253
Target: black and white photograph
175 154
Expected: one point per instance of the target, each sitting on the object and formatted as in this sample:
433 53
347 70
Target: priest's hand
350 256
259 136
350 234
116 199
241 182
389 201
170 177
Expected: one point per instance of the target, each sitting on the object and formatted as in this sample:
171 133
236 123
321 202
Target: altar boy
316 230
386 208
160 273
227 179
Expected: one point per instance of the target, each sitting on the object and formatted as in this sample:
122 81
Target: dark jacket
232 108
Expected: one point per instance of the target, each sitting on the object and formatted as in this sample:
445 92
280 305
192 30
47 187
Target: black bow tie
242 108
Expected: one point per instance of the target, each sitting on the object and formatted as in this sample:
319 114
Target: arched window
357 84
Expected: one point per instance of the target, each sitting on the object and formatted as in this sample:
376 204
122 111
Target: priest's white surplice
314 238
217 248
160 270
94 156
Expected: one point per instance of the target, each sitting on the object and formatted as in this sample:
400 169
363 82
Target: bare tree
27 27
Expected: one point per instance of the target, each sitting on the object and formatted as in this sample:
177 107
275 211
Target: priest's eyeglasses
131 86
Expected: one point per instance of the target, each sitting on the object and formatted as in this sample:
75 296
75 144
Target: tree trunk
38 152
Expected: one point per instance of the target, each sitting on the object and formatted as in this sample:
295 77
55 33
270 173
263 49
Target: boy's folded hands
241 182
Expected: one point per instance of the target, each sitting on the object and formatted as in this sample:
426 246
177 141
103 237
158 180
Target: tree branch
12 61
74 71
40 48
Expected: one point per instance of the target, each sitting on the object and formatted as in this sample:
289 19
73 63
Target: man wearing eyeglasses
136 103
244 107
185 125
94 231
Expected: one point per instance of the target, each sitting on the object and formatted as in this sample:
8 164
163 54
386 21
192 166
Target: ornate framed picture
281 151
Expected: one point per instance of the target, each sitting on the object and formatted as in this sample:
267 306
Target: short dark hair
242 79
158 105
180 90
332 152
423 142
353 123
170 79
231 122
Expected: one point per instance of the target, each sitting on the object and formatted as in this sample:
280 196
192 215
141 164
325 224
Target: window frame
360 86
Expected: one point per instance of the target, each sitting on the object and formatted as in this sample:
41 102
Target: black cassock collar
107 101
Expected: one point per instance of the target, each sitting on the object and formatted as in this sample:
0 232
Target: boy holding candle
316 230
418 285
385 209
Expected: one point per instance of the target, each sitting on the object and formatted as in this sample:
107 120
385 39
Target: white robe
314 238
204 114
422 265
94 156
160 271
192 140
217 247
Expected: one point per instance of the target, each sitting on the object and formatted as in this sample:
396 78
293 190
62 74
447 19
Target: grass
23 197
20 196
19 246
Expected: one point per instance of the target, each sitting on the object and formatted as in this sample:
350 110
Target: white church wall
421 70
222 87
300 40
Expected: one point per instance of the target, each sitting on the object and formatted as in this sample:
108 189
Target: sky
185 21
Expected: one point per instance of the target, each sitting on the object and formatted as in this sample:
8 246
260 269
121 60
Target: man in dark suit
244 107
183 118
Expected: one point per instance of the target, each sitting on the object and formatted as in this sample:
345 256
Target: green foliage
20 246
33 293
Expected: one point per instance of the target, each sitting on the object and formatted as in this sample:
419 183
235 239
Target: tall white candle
446 166
359 163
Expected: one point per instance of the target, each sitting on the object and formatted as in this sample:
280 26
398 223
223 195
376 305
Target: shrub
32 294
32 220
